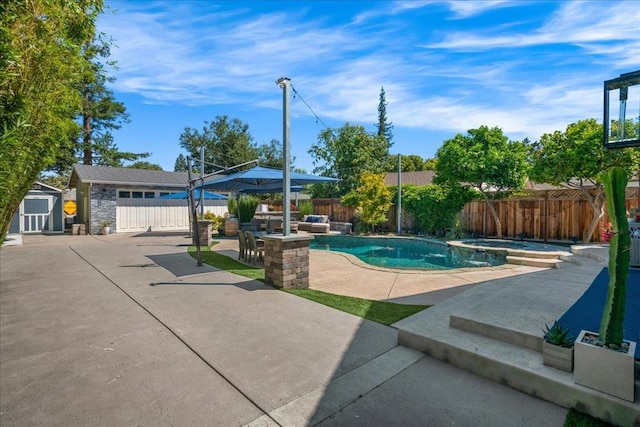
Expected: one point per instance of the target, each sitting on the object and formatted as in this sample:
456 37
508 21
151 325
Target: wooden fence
541 215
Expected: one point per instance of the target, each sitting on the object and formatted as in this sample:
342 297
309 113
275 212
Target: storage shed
41 211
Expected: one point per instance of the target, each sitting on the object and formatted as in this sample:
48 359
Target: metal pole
194 212
399 204
284 83
201 178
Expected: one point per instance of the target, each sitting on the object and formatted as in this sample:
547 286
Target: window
140 194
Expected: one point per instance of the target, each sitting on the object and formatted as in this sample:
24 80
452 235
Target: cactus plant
611 328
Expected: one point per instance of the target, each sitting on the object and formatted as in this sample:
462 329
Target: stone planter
231 227
106 230
603 369
557 356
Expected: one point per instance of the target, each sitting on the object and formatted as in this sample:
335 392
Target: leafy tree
429 164
41 63
408 163
346 153
434 206
227 142
141 164
372 200
57 181
486 160
577 158
181 164
270 155
384 127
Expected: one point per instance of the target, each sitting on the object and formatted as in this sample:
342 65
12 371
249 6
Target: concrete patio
125 329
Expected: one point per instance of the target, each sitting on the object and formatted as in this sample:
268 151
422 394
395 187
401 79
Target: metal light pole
399 204
285 83
201 177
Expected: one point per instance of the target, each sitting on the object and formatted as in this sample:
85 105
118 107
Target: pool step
535 262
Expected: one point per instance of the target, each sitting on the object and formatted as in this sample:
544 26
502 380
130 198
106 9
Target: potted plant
557 348
106 226
604 360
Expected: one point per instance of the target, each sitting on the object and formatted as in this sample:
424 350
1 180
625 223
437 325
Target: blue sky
529 67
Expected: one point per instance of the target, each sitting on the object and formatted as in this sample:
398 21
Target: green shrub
232 206
247 208
435 206
216 220
305 207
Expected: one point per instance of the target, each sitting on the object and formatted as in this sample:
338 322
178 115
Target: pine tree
384 127
181 164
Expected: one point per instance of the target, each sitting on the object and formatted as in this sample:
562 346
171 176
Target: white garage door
159 215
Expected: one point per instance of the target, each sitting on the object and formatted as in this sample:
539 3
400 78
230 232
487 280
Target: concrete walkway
126 330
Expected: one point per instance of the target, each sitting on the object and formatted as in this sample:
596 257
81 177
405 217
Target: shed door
37 214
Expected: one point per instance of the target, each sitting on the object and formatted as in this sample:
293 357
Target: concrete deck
125 329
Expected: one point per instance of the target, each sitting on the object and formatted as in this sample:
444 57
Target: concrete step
509 336
535 262
537 254
518 367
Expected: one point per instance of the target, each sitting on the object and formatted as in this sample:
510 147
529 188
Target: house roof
126 176
38 186
410 178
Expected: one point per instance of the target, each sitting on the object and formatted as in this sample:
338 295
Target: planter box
603 369
557 357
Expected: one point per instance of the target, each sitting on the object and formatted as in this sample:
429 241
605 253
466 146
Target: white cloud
467 9
234 57
573 23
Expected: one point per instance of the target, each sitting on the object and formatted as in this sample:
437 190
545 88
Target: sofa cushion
316 218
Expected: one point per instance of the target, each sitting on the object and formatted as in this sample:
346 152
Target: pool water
405 252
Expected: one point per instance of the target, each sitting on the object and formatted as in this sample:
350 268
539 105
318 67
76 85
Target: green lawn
228 264
577 419
378 311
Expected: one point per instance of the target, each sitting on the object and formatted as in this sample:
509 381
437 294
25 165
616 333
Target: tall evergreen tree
384 127
93 143
181 164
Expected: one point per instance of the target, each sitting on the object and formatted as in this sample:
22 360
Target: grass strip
383 312
578 419
225 263
386 313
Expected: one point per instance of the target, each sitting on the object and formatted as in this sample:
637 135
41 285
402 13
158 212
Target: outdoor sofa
314 224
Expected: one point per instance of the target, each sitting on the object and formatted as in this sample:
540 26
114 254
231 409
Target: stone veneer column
286 261
205 233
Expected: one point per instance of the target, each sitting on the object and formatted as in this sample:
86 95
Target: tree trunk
492 209
86 125
597 204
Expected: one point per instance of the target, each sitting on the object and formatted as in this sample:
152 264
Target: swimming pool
409 253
